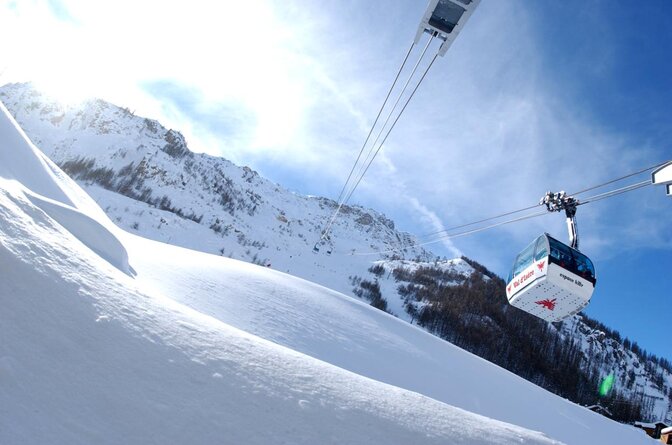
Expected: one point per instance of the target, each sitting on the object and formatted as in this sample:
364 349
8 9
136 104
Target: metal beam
445 19
663 176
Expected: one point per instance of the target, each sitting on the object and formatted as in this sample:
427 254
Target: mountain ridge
99 143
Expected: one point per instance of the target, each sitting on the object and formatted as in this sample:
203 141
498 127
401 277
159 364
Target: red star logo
509 288
540 265
548 304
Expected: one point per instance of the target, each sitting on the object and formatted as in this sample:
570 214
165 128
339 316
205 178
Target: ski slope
111 338
343 331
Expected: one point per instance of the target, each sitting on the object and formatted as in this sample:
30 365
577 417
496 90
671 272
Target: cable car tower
445 19
663 176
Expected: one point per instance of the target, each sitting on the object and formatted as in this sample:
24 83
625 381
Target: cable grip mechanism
555 202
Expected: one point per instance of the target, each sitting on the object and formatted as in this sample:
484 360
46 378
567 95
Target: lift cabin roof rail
445 19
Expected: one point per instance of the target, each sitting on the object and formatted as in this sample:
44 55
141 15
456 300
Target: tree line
472 312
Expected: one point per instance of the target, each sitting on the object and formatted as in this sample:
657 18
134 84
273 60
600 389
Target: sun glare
215 51
68 91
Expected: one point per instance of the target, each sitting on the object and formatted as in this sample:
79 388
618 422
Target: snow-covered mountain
638 377
461 301
149 183
135 341
196 200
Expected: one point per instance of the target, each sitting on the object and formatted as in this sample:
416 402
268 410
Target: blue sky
532 96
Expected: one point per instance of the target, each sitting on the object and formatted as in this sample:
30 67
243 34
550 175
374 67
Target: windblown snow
107 337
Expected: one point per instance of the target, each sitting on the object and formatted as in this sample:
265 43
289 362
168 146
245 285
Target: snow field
196 348
90 355
90 358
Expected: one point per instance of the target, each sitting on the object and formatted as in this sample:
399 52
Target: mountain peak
166 188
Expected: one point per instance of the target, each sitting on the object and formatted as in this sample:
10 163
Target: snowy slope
340 330
57 195
88 358
227 210
90 354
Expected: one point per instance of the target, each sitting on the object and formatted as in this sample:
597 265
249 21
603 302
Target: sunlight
81 52
65 89
53 59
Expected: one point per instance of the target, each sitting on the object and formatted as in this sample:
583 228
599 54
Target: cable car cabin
550 280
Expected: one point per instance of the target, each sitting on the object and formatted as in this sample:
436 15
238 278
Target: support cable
449 229
595 198
460 234
584 201
342 202
621 178
367 161
389 92
392 127
625 189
